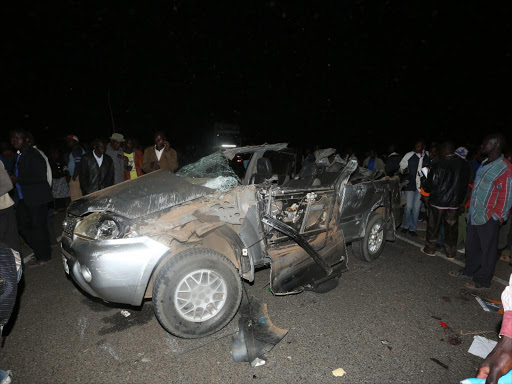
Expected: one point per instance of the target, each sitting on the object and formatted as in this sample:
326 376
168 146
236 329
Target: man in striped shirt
490 205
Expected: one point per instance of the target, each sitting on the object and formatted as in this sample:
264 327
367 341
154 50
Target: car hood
143 196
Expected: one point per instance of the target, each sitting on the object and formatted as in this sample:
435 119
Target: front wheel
371 245
196 293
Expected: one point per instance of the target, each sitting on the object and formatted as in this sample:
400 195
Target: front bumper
117 271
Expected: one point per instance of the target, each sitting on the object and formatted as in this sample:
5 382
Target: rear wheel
371 245
196 293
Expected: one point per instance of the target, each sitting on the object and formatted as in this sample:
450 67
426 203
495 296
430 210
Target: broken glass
214 167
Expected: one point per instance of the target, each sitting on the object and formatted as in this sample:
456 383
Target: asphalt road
60 335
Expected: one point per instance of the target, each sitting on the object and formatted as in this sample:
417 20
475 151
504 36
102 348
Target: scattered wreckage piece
256 335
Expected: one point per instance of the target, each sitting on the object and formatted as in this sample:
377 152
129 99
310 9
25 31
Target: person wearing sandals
491 201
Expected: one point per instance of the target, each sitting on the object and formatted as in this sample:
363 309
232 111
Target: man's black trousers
482 251
33 226
450 219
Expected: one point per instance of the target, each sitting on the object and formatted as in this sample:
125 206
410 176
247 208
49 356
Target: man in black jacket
96 169
447 183
34 194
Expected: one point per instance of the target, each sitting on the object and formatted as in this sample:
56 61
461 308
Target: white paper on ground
481 346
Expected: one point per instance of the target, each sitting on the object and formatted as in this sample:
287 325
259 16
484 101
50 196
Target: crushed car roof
231 152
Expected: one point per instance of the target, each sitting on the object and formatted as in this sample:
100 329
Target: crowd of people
32 184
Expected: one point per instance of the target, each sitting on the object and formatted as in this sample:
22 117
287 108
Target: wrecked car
187 240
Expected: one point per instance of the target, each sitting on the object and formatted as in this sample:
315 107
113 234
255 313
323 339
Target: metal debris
256 335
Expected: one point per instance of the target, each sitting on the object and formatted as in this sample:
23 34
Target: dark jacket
413 161
94 178
447 182
32 178
392 165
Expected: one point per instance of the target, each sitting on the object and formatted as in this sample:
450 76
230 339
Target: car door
309 214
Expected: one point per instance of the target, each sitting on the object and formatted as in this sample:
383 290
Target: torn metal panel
231 152
257 334
292 233
142 196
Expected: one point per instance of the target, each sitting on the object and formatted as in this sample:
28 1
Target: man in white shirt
96 169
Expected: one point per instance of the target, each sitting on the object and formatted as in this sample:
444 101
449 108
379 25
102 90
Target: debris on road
106 346
439 363
452 337
490 305
465 295
387 344
462 333
256 333
446 299
340 372
481 346
125 313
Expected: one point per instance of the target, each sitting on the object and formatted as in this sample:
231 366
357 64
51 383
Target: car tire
371 245
196 293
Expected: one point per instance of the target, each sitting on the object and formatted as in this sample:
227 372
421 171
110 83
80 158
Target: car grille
70 224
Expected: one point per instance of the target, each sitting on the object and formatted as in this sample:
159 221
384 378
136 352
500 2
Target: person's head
419 147
19 139
129 145
160 138
71 141
508 156
492 145
447 148
391 148
373 154
99 147
54 154
31 139
115 140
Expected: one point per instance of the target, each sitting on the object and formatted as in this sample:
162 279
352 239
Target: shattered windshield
214 167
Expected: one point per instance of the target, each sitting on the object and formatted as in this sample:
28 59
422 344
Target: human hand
125 159
498 363
154 165
13 179
128 167
74 177
166 145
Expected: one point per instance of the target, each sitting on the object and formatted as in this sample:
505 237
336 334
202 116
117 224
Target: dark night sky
342 73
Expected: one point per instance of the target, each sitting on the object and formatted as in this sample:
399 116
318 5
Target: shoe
475 285
462 250
404 231
37 263
427 253
413 234
459 273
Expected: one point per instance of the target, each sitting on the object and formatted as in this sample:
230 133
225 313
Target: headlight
107 229
104 226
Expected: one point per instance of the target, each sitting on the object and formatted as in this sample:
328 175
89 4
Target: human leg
489 233
451 226
74 189
416 203
409 199
40 239
433 223
473 250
